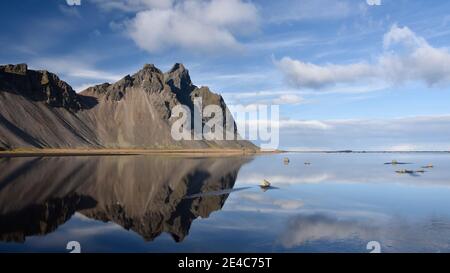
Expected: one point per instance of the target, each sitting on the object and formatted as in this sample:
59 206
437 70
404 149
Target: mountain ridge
38 110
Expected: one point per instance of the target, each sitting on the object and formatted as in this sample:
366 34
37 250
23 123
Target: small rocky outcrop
39 86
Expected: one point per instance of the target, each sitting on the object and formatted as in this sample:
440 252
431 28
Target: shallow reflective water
338 203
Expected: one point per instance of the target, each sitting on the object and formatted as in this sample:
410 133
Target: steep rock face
134 112
28 123
180 83
39 86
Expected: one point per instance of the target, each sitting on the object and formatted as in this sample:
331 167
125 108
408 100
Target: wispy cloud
268 97
301 10
288 99
407 133
81 87
252 99
70 11
285 204
278 43
70 67
285 180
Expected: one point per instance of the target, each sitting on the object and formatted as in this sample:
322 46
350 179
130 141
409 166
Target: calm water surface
171 204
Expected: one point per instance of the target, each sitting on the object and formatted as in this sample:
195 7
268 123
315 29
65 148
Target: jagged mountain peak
150 68
177 67
40 110
150 79
179 81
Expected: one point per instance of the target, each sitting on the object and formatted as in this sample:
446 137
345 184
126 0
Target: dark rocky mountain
39 110
148 195
38 86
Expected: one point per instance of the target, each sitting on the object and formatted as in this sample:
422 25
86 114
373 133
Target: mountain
148 195
38 110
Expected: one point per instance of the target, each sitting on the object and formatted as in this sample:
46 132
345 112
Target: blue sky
348 75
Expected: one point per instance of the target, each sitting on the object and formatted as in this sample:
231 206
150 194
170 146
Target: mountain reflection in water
338 203
145 194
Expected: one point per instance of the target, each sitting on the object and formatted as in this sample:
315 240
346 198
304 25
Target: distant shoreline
112 152
365 152
177 152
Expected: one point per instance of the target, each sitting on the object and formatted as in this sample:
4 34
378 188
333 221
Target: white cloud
310 75
407 57
402 35
195 25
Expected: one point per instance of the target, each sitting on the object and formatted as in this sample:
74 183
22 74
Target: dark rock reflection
145 194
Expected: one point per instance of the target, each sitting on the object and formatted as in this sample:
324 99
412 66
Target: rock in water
265 184
38 110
